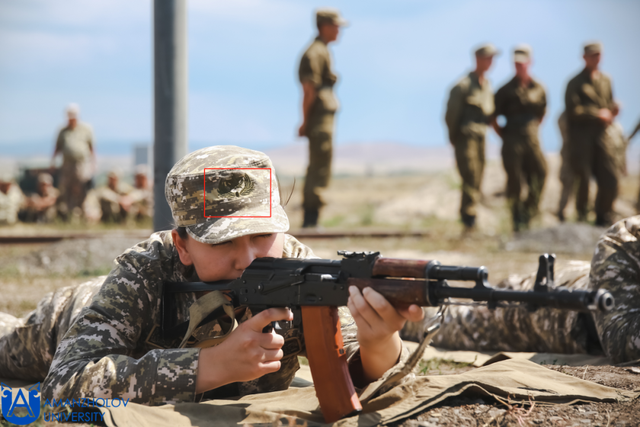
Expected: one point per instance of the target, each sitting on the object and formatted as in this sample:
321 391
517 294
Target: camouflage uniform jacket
586 96
469 107
114 348
315 67
523 107
616 267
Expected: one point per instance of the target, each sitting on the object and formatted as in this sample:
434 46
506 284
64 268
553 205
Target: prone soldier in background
469 110
523 103
616 333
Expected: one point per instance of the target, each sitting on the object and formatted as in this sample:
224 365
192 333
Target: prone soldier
108 332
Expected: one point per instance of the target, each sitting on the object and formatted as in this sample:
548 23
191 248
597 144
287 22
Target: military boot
310 218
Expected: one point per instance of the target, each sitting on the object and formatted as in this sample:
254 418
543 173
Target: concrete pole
170 98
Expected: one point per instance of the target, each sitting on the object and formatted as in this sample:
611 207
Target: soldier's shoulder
156 254
315 49
461 85
294 249
575 80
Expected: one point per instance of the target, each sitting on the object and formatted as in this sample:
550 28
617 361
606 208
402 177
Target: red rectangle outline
204 195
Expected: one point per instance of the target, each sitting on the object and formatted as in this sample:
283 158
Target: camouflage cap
45 178
522 53
223 192
592 48
487 50
330 16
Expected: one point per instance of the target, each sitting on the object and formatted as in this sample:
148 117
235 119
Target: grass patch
431 366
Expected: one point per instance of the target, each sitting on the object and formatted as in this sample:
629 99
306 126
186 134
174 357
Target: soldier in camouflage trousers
106 333
615 267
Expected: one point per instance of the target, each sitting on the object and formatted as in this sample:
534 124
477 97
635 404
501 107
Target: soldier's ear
181 247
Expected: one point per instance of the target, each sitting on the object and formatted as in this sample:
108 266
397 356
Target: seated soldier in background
615 267
113 201
141 197
11 199
41 206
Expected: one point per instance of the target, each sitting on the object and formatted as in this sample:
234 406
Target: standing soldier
319 106
469 109
75 143
566 171
590 110
523 103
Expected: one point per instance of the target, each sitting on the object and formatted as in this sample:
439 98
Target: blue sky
396 62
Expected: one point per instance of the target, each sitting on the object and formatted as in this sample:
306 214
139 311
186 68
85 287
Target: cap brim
218 230
520 58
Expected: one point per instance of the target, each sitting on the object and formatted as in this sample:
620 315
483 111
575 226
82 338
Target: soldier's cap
487 50
328 15
222 192
592 48
114 173
6 176
73 110
45 178
522 53
141 170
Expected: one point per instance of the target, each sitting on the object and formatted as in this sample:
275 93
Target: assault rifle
314 288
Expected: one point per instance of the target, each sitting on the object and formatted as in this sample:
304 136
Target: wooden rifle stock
328 362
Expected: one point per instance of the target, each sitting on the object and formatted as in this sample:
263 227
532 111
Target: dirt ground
427 203
478 411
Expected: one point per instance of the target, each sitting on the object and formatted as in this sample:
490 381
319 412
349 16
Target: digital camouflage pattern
616 268
115 348
592 152
239 188
469 109
523 160
316 68
27 345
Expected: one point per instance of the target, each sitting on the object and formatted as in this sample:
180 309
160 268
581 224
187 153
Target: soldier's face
329 32
227 260
522 69
484 63
592 61
4 187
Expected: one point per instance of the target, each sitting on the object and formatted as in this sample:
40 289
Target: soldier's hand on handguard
378 325
247 354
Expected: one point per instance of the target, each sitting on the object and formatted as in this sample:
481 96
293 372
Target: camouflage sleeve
59 143
616 268
311 68
454 111
574 106
100 355
541 106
